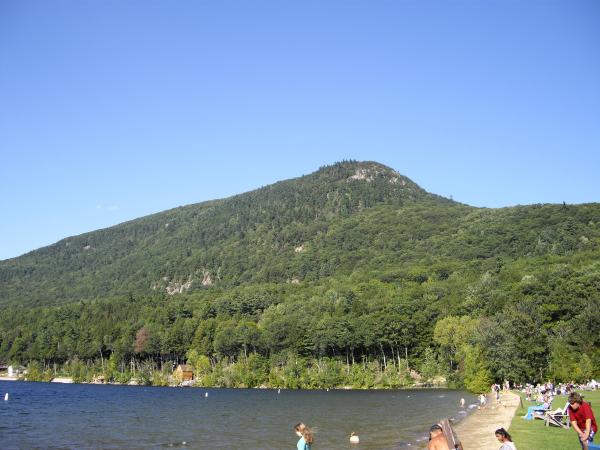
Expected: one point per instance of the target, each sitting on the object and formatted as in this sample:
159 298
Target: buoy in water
6 397
354 438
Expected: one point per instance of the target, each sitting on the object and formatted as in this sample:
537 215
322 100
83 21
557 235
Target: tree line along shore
428 326
350 276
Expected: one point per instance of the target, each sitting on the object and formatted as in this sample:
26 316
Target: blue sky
111 110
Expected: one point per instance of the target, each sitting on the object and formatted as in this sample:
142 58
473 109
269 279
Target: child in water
306 437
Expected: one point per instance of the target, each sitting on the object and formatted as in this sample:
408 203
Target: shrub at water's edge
251 371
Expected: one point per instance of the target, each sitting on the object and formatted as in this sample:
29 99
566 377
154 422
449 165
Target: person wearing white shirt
505 439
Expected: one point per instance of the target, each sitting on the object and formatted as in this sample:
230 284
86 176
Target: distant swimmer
462 402
206 394
279 391
354 438
6 397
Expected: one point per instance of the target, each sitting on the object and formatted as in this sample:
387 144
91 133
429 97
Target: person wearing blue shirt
306 437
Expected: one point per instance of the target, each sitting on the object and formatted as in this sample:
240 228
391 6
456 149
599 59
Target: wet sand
476 432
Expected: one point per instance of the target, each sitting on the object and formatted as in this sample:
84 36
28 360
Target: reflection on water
56 416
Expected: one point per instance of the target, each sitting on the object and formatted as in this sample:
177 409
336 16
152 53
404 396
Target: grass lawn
534 435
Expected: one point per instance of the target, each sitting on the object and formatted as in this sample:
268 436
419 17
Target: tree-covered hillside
252 237
347 276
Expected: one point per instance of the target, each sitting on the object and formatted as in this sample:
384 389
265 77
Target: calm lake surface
58 416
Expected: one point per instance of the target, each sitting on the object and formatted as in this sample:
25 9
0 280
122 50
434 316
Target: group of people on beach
444 438
549 389
579 412
439 441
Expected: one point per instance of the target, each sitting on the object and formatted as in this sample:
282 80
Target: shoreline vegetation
252 371
68 380
359 333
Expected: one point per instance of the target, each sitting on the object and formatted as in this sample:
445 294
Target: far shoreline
68 380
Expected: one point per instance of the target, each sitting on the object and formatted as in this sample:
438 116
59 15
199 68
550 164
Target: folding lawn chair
558 418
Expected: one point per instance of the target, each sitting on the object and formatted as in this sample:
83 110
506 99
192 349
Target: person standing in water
305 435
482 401
504 438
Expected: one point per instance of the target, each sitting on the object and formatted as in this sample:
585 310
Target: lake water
58 416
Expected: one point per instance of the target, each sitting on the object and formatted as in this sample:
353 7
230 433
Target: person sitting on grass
582 419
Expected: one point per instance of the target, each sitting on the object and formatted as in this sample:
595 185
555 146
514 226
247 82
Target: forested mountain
271 234
353 270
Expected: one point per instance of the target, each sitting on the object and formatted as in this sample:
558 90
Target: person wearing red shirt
582 418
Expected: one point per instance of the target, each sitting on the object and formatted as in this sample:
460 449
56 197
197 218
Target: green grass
534 435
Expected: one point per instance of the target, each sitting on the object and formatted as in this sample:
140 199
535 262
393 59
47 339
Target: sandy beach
6 378
476 432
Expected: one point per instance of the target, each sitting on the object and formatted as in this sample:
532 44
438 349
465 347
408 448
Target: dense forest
350 276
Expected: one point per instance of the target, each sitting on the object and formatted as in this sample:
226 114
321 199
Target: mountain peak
216 242
353 165
367 171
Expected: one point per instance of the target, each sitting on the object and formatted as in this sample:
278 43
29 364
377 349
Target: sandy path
476 432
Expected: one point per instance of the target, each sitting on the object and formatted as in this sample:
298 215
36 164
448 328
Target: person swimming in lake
305 435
